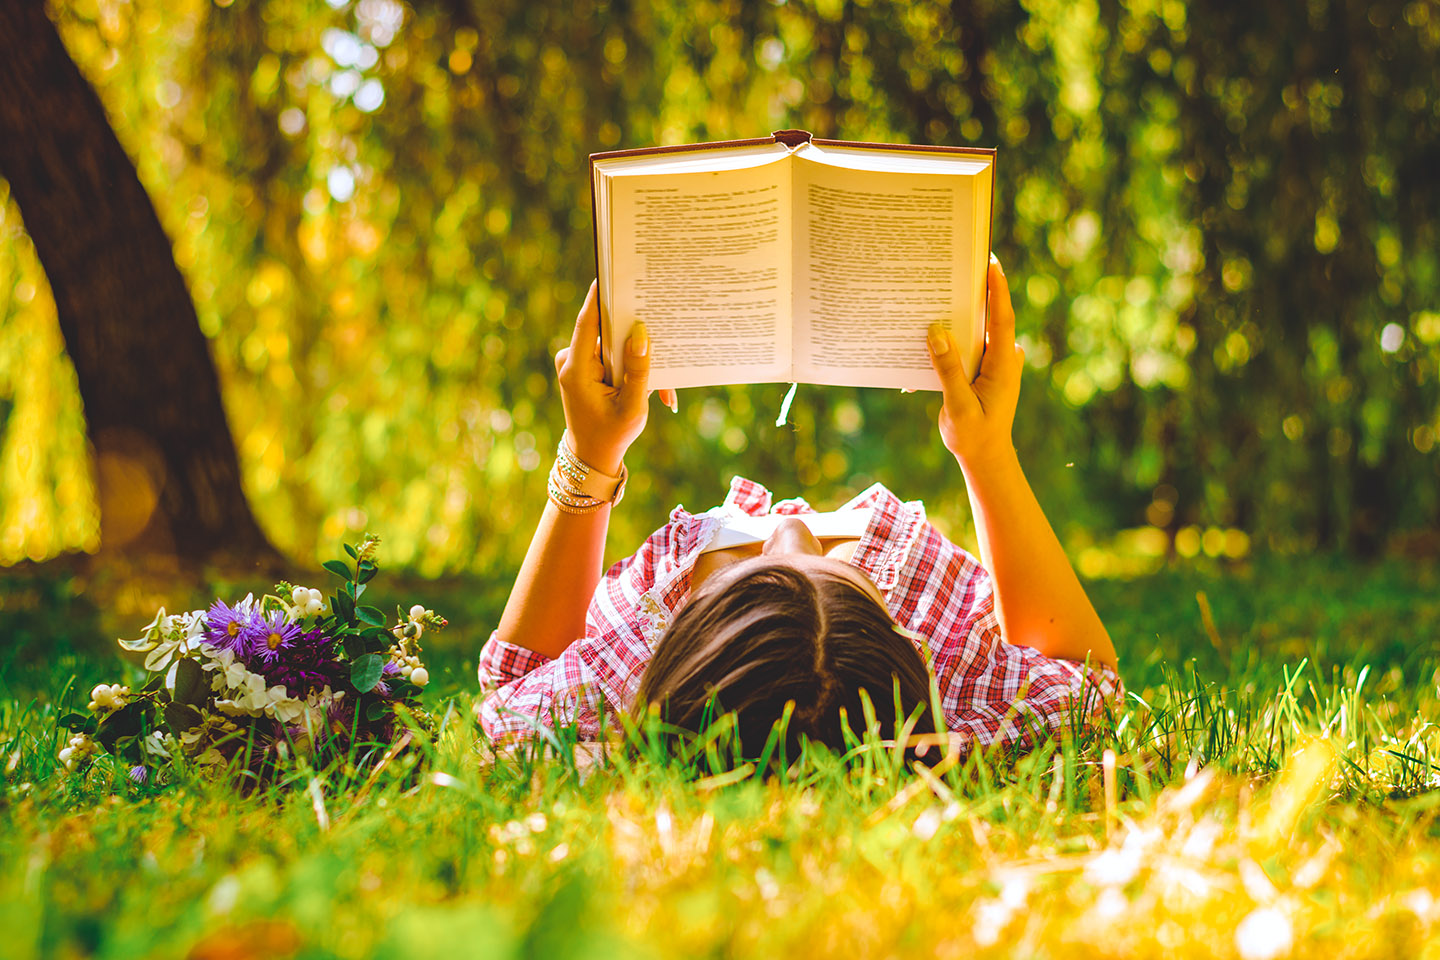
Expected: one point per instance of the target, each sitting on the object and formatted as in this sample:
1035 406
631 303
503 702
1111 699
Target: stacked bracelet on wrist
577 487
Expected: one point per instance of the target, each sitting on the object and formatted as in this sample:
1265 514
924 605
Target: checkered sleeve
553 693
501 662
523 691
995 692
999 692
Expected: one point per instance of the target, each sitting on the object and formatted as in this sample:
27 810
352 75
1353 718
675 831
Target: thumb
945 358
636 385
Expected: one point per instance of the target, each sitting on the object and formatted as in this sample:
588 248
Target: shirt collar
883 547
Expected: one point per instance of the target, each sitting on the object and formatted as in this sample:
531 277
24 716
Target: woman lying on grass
756 605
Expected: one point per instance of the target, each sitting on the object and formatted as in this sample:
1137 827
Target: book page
879 256
703 259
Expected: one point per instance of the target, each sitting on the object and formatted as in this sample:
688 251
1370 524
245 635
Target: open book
792 259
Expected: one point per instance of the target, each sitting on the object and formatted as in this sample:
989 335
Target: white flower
419 676
176 640
167 635
213 653
417 611
255 684
282 706
76 751
194 626
305 602
107 697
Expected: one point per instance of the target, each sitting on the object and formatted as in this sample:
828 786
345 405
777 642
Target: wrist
992 461
605 458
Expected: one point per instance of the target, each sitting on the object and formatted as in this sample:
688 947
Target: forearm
1038 598
546 608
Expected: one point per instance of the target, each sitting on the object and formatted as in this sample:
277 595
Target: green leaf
356 589
190 685
376 709
367 571
354 646
124 722
351 550
365 671
343 606
377 633
73 721
371 615
338 568
128 748
182 717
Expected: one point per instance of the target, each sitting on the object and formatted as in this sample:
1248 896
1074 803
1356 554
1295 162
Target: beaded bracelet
574 484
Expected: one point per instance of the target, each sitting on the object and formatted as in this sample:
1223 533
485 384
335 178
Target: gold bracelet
568 504
576 487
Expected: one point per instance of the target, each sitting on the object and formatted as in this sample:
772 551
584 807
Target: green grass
1273 772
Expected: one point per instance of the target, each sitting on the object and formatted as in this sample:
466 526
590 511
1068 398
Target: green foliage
1219 228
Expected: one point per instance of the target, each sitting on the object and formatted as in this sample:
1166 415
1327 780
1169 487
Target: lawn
1268 789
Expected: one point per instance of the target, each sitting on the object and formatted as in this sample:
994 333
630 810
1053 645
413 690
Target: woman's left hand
603 420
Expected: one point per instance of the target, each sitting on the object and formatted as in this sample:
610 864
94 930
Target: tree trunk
167 474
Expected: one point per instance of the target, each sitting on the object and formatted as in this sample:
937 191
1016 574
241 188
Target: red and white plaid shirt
990 690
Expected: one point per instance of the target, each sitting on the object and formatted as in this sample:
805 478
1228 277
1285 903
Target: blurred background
1219 222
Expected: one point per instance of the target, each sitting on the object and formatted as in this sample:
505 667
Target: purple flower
225 627
305 662
139 774
388 672
270 640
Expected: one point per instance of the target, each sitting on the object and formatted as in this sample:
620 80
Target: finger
671 399
999 324
587 323
637 368
561 356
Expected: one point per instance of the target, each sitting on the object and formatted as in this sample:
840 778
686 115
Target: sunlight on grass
1284 810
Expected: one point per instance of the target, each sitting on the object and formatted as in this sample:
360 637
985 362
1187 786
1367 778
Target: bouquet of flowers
256 682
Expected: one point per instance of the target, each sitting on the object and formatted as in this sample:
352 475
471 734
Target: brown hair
775 635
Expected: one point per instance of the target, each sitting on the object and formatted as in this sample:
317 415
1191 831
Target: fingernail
998 265
674 403
939 342
639 340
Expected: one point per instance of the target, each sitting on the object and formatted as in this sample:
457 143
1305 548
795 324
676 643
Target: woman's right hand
603 420
977 418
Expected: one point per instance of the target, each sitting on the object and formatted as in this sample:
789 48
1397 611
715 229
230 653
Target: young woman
763 608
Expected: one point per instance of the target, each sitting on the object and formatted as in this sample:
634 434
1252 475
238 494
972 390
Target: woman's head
787 626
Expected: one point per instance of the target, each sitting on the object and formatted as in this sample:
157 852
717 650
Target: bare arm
1038 597
546 608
